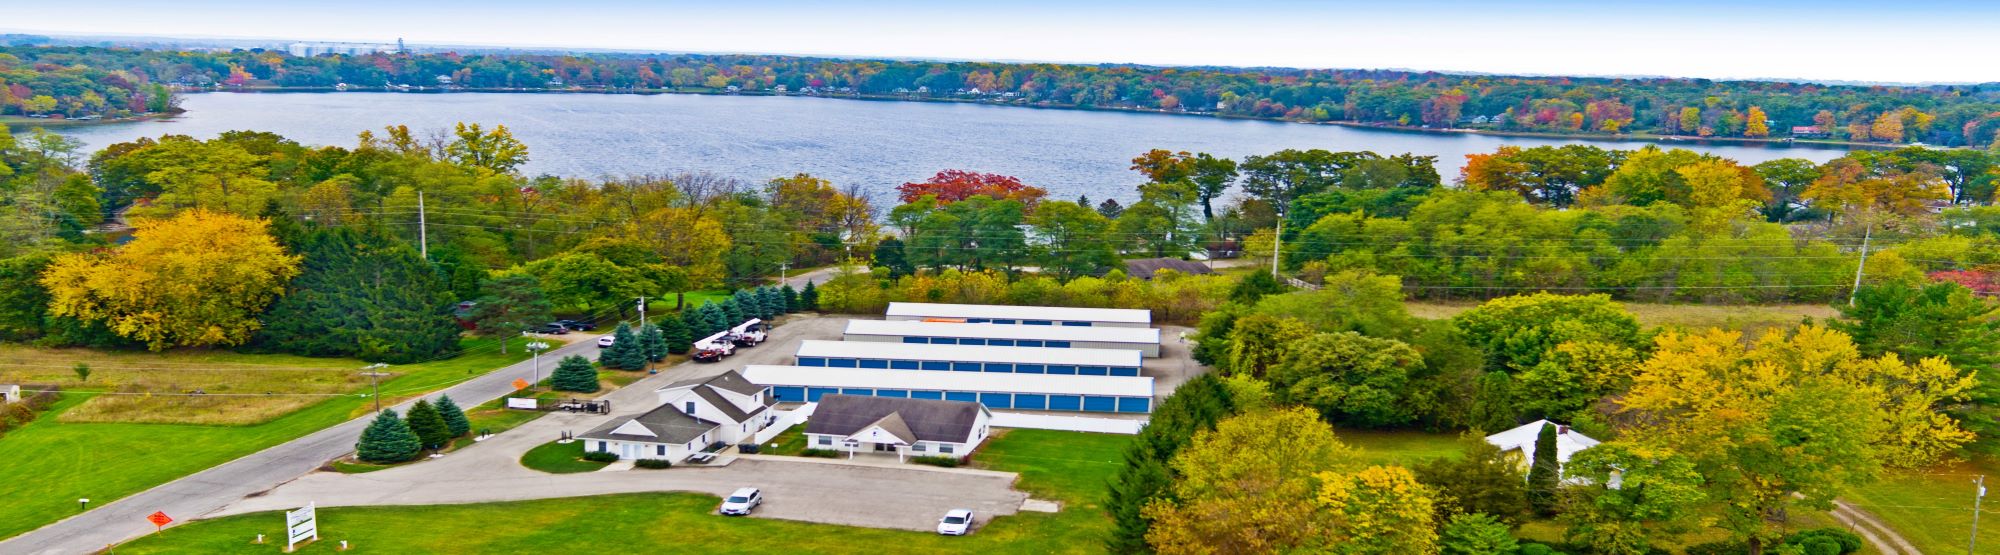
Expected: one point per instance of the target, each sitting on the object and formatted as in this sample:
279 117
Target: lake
879 144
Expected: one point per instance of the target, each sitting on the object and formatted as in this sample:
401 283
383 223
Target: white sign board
300 526
522 403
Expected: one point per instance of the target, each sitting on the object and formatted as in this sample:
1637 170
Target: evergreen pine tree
774 302
653 343
361 294
691 326
574 373
454 418
809 299
632 355
1544 475
732 313
791 298
387 440
674 336
712 318
429 426
1147 476
1083 200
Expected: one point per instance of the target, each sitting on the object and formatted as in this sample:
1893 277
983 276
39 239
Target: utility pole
783 267
423 229
642 311
1862 265
1277 237
374 381
1973 545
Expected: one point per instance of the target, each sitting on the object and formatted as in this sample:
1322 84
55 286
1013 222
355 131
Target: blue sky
1904 41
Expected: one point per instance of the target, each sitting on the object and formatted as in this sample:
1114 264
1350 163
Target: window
826 440
661 450
944 448
918 448
690 408
600 446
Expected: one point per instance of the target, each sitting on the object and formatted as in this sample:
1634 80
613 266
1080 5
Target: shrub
600 456
574 373
1825 541
387 440
1724 547
947 462
653 463
821 453
1537 549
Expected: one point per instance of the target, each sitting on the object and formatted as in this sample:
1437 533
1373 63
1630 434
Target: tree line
93 80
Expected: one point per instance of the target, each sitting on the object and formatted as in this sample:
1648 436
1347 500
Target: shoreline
1664 140
23 122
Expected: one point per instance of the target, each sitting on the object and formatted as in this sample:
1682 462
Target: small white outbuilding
1522 440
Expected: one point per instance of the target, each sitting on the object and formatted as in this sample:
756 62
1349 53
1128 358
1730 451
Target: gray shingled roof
729 380
926 419
1144 268
728 408
672 426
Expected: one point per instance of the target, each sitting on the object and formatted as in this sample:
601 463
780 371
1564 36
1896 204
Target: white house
739 408
1521 440
10 393
919 427
662 433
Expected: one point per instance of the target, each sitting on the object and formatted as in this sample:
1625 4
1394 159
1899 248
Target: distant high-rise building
399 46
310 49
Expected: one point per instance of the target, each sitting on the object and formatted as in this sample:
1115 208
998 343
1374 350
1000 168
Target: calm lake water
877 144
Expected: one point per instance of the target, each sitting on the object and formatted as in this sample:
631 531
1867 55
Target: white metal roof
935 310
970 353
1097 334
995 382
1568 441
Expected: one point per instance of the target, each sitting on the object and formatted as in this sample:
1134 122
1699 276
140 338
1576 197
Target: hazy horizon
1828 40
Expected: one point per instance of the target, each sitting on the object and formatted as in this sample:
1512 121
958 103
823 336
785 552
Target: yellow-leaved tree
1797 412
199 278
1277 481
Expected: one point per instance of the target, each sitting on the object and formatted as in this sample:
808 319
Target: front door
889 447
632 451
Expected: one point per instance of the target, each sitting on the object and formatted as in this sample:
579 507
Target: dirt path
1878 533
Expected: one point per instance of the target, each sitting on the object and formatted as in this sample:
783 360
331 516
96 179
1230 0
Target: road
212 489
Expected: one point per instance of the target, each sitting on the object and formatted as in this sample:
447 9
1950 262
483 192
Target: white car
606 341
955 523
742 501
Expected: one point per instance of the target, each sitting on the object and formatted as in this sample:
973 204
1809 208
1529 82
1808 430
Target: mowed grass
1065 466
788 442
177 380
1932 507
1750 318
1400 447
50 463
560 458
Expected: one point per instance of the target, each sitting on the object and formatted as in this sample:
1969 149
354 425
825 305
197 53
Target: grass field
789 442
1065 466
559 458
1750 318
1933 507
46 465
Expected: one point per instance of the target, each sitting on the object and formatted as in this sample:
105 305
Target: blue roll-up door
892 393
966 396
999 367
1077 324
1093 370
874 363
1056 344
1000 342
1005 321
1030 402
1062 369
917 340
1065 402
840 362
972 341
814 394
856 391
965 366
996 400
1134 404
1124 371
788 393
903 364
812 361
936 365
1038 322
1030 369
1100 404
927 395
943 341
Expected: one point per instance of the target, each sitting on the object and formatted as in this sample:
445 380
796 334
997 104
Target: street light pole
374 381
535 348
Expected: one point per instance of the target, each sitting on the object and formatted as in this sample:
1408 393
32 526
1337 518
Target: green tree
428 425
1255 286
1248 486
791 297
495 151
387 440
1073 240
1350 378
1481 480
574 373
652 343
1518 332
1258 342
1193 407
454 417
809 298
1918 321
198 279
1475 534
678 336
364 295
513 304
625 352
1545 473
1657 496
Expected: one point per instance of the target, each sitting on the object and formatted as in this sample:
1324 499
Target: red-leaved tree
1980 282
955 185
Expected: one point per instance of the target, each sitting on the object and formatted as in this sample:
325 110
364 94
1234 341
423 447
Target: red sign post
159 520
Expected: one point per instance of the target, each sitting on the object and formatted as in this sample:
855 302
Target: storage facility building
995 390
969 358
1144 340
1024 315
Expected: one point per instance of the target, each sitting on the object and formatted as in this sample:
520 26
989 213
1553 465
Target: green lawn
559 458
48 464
1070 467
1933 507
1399 447
1751 319
789 442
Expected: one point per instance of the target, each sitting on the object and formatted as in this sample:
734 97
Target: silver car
742 501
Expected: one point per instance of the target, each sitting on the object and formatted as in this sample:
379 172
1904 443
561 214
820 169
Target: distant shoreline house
692 414
906 427
1808 132
10 393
